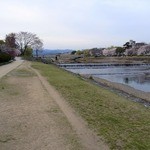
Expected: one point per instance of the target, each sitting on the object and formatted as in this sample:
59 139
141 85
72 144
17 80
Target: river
136 76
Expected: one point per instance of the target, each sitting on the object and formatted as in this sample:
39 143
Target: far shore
67 58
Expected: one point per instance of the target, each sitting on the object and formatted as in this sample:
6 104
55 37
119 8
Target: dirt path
7 68
33 115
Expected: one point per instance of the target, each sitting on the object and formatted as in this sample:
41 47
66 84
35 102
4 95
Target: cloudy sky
78 24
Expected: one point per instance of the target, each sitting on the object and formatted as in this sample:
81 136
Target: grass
9 89
123 124
23 72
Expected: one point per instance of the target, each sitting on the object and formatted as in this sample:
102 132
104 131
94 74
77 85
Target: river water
136 76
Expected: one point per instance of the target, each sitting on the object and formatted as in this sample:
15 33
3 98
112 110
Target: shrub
4 57
91 78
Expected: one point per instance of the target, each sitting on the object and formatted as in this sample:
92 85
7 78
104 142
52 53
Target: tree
37 46
2 42
86 53
8 48
10 40
11 46
4 57
25 40
28 52
73 52
79 52
8 53
120 51
13 52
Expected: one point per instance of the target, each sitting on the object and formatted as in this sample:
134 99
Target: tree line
22 43
130 48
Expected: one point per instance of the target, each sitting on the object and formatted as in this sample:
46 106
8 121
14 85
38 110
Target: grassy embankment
123 124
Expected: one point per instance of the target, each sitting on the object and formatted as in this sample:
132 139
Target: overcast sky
78 24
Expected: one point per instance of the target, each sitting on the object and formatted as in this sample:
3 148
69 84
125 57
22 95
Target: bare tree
25 40
37 46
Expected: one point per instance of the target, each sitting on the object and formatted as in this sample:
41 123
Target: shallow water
137 76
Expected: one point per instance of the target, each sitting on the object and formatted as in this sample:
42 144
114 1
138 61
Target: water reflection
137 77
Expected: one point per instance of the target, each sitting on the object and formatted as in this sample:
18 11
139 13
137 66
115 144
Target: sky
78 24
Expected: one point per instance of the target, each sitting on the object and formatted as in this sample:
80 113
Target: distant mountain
52 52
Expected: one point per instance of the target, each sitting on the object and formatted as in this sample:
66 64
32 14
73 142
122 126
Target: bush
28 52
73 52
120 51
91 78
4 57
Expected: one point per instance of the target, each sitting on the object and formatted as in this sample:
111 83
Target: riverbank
119 60
121 123
68 58
125 90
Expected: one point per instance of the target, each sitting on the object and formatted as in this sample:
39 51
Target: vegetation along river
134 75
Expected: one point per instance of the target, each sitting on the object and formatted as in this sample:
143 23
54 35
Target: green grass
121 123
